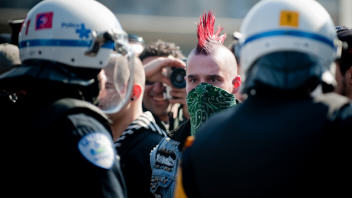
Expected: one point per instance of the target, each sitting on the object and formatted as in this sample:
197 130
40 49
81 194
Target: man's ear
236 82
136 91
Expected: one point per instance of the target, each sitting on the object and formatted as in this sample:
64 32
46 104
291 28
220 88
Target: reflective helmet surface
64 31
302 26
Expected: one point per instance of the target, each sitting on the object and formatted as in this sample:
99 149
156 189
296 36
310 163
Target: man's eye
192 80
214 80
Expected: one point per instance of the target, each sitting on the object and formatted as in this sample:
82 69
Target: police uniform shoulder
62 108
82 120
70 106
89 130
73 105
93 140
84 117
97 148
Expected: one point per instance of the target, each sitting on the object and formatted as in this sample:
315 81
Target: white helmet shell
64 30
287 25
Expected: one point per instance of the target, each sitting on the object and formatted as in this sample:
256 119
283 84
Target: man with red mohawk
211 67
211 82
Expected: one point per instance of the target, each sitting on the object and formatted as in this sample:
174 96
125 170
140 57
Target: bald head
221 55
139 75
217 67
123 72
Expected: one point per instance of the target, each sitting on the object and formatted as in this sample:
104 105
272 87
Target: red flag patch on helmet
44 21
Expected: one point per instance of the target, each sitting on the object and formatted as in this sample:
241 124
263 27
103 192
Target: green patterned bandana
205 100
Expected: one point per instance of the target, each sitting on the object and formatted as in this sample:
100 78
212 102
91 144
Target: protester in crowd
211 75
211 82
165 101
58 143
9 56
135 132
344 63
164 152
281 141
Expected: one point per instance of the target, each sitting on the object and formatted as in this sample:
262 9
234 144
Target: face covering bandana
205 100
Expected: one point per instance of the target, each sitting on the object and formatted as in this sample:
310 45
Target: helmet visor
116 82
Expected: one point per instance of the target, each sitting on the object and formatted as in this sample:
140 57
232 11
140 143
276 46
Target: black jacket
281 146
181 133
134 147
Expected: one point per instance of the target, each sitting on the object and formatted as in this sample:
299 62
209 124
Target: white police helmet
78 33
302 26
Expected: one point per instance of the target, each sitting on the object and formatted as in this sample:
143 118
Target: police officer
285 140
57 143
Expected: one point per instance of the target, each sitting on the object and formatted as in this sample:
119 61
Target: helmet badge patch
97 149
289 18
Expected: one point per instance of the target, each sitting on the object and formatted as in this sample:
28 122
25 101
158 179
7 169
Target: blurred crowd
90 110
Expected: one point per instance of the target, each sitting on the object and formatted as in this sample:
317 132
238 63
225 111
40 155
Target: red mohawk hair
205 32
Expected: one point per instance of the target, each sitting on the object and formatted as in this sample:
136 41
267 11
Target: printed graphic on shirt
97 148
165 158
44 20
